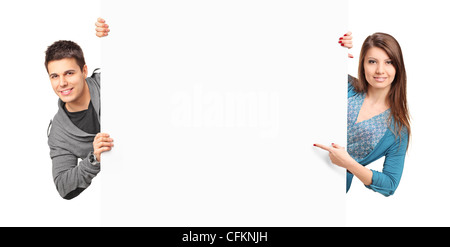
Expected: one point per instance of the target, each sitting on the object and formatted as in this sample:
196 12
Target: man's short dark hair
64 49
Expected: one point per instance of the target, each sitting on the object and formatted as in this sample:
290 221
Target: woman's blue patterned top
362 137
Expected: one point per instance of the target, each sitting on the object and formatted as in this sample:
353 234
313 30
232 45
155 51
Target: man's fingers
101 34
101 29
106 139
103 149
100 24
103 141
323 147
105 144
100 135
101 144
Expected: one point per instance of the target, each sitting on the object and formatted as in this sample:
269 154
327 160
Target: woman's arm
361 172
340 157
387 181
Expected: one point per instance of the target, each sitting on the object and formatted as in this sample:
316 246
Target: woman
378 117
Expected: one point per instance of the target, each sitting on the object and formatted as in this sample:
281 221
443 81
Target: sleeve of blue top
386 182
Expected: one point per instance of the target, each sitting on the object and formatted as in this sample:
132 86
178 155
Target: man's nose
62 81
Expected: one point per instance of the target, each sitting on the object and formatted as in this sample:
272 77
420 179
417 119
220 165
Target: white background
422 29
27 103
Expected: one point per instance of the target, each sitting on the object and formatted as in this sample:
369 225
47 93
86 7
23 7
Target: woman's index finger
323 147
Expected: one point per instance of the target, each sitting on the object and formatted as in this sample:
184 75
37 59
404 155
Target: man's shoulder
55 123
95 78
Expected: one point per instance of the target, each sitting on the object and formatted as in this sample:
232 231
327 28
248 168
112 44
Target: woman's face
378 67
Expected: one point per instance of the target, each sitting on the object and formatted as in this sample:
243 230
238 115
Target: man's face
68 81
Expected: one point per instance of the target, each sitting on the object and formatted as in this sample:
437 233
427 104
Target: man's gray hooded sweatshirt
68 143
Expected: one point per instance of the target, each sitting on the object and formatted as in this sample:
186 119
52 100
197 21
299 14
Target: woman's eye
372 61
389 62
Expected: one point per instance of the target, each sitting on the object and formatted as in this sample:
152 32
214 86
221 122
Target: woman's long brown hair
397 94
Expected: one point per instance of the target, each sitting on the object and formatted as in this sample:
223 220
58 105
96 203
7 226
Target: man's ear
85 71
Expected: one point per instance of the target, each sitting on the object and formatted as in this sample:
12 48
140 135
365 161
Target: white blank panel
214 107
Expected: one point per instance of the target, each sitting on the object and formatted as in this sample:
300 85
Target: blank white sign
214 107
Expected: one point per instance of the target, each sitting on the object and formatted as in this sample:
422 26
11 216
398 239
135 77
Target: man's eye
53 76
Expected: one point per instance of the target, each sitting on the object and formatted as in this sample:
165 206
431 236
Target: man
74 132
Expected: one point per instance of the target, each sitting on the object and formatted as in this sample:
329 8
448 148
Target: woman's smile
380 79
